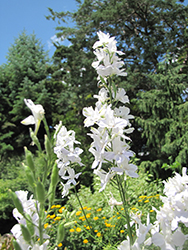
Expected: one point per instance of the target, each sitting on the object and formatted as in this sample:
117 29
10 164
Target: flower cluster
109 140
67 155
166 232
30 207
108 63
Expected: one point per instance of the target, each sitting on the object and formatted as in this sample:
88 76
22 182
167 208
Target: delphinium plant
110 128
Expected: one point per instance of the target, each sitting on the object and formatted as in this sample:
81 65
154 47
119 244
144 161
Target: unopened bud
29 159
16 245
17 202
48 146
55 175
25 233
40 192
30 176
30 225
60 233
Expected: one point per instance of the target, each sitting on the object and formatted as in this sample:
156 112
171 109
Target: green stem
40 226
83 210
46 127
124 199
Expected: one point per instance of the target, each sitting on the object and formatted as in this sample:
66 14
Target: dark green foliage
162 117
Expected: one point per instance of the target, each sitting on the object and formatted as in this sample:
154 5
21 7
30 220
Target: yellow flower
89 208
117 213
46 225
78 213
85 241
60 245
108 224
61 210
95 230
146 201
53 206
142 196
151 211
58 218
84 207
71 230
98 234
81 218
103 218
118 217
88 228
88 215
122 208
99 209
58 206
52 216
96 218
48 216
122 231
78 229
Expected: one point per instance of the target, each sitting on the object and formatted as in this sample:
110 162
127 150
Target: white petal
29 120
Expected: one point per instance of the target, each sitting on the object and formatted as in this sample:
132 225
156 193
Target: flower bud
25 233
51 196
55 175
40 192
16 245
30 225
60 233
48 146
33 137
29 159
30 177
17 202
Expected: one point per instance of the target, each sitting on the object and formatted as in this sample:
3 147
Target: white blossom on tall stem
110 123
67 154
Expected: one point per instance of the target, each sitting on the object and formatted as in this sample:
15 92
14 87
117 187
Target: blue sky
17 15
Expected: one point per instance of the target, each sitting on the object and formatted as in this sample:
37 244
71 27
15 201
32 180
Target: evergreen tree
25 75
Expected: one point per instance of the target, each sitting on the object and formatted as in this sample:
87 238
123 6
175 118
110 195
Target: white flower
125 245
44 246
38 114
66 188
71 175
121 96
110 66
64 148
104 39
125 167
124 113
113 202
104 176
108 63
102 96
